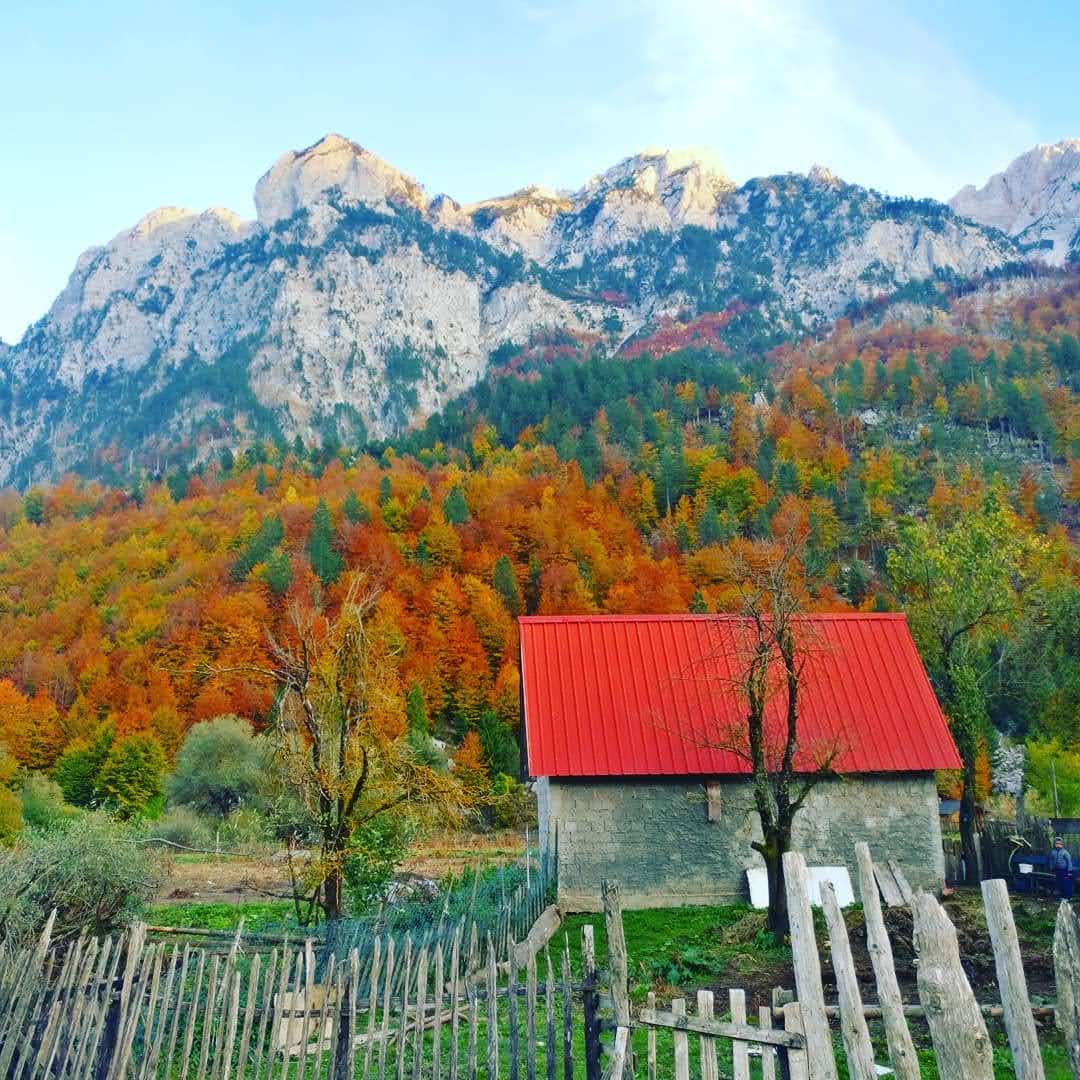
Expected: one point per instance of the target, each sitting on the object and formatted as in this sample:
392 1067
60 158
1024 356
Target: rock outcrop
1036 200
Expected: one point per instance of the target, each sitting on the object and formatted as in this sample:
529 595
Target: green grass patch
260 916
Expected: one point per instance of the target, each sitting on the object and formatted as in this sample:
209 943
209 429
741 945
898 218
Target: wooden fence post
618 962
905 1062
860 1051
740 1057
961 1044
1067 976
807 965
590 1002
1019 1023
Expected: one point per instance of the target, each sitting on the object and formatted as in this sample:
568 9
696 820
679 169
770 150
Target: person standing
1061 867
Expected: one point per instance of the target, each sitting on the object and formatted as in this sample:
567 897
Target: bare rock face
355 305
1036 200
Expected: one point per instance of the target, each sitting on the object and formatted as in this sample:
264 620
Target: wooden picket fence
133 1008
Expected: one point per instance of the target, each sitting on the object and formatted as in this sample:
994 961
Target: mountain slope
355 304
1036 200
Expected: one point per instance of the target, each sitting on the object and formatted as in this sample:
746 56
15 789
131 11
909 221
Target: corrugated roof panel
639 695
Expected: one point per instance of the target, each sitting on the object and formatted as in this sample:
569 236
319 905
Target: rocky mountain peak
1036 199
302 177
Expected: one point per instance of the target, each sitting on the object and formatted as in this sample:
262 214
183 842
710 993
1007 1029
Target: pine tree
455 509
355 510
325 559
416 709
697 604
278 573
506 585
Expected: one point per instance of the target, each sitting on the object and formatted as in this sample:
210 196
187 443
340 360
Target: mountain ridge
355 305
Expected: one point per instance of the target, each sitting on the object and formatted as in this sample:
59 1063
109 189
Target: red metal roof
634 695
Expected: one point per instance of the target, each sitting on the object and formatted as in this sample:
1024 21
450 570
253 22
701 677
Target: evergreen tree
77 768
500 747
505 583
34 507
325 559
355 510
455 509
177 483
697 604
416 710
386 491
258 549
262 482
278 573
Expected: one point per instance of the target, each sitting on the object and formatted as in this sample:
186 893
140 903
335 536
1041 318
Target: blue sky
111 108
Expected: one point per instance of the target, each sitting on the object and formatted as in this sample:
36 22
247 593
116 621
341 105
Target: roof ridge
725 616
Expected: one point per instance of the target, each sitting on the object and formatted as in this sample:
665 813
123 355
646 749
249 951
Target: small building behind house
629 727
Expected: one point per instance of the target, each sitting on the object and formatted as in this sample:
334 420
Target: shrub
513 805
43 804
245 828
182 825
375 851
132 778
90 871
220 766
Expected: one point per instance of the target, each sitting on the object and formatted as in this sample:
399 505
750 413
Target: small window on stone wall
713 804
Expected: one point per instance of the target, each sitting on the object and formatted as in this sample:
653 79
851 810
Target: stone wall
654 836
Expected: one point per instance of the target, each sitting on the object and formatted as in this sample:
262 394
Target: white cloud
774 85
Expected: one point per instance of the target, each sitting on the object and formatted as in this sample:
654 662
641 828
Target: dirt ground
230 879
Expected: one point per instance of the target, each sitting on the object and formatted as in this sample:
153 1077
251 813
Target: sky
111 108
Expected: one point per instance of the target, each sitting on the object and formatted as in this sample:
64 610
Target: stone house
631 730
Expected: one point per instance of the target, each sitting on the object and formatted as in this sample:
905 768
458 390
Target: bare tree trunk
967 823
777 842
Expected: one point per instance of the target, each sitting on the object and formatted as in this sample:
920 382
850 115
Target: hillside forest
929 465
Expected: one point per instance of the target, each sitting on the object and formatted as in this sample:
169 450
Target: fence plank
650 1004
808 969
474 1024
549 1016
718 1029
680 1042
619 1054
530 1018
372 1002
798 1061
455 961
388 982
208 1016
961 1044
768 1054
403 1020
492 1014
590 1003
902 1054
1019 1023
855 1033
436 1038
421 1006
706 1044
228 1044
740 1057
1067 976
568 1015
249 1014
512 1014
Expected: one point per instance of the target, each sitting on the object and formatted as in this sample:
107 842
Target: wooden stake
961 1044
740 1057
1019 1023
1067 975
902 1054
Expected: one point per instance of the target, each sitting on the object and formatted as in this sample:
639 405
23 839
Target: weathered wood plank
961 1044
890 891
798 1062
679 1039
902 1054
853 1028
549 1016
1067 976
1019 1023
740 1057
768 1054
906 891
530 1018
492 1014
706 1044
718 1029
619 1054
436 1038
650 1045
568 1015
807 966
512 1015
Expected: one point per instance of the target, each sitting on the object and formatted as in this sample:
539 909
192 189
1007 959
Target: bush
375 851
246 828
220 766
182 825
90 871
513 805
43 805
132 778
